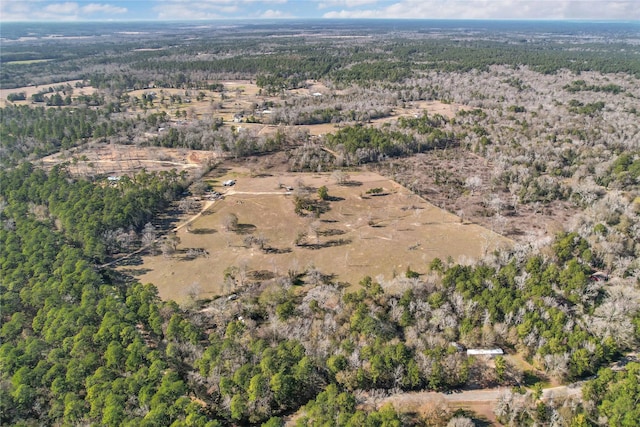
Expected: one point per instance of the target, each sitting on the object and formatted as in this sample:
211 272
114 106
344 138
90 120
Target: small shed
599 276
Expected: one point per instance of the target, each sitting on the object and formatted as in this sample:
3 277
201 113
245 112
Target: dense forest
550 125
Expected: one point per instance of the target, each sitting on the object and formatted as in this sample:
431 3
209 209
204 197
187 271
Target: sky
134 10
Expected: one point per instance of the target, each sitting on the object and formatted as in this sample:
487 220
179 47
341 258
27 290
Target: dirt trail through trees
206 206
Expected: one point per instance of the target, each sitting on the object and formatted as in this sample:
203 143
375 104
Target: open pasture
359 234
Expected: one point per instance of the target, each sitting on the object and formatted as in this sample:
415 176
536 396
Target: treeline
589 109
228 141
35 132
81 346
360 144
614 395
90 214
624 172
608 400
581 85
78 346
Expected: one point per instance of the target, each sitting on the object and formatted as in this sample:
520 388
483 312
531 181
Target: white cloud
213 9
182 12
345 3
497 9
214 3
62 8
13 10
103 8
275 14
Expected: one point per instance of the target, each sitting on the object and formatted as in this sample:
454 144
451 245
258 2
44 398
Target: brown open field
113 159
359 235
30 90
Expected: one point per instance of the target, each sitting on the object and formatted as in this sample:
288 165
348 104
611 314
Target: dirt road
471 398
481 396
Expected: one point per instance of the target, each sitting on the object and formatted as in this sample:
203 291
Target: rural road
162 162
475 396
402 399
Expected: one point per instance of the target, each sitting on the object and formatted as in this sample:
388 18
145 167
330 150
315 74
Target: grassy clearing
358 235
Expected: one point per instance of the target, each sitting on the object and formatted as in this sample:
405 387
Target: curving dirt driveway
206 206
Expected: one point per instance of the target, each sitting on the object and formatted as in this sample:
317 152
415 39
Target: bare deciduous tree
230 222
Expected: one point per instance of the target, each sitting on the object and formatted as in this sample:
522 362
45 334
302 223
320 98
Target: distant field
371 235
239 96
27 61
243 95
113 159
30 90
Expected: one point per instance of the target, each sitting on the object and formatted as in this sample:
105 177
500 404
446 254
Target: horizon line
106 21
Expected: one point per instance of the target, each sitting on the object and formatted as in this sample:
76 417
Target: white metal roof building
485 352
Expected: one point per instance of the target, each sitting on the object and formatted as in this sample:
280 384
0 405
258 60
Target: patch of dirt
116 160
435 405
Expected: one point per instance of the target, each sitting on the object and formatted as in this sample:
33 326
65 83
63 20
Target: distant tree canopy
27 131
369 144
191 61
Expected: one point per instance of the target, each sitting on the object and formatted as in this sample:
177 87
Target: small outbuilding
485 352
599 276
